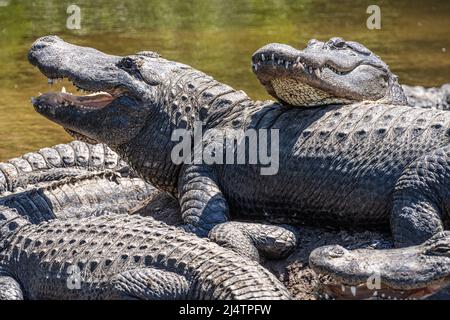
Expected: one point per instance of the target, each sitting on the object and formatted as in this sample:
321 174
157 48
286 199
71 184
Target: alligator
57 162
406 273
337 72
122 257
346 164
87 195
51 249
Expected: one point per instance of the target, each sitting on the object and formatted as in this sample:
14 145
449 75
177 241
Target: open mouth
90 99
340 291
86 101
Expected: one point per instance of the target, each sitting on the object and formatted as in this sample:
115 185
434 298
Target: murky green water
215 36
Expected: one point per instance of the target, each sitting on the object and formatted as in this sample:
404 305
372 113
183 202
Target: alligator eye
127 63
337 42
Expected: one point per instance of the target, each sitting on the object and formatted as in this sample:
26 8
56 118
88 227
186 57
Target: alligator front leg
421 199
10 289
205 211
203 205
255 239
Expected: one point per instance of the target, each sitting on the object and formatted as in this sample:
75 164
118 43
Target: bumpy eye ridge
337 42
126 63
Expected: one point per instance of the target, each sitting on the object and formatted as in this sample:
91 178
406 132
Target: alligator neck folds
182 103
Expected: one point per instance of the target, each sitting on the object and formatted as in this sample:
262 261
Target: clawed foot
255 240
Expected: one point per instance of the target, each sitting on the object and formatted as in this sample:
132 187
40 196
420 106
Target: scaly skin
337 71
82 196
361 164
179 102
122 257
57 162
411 272
438 97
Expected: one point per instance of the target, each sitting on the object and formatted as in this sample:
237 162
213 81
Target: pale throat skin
332 72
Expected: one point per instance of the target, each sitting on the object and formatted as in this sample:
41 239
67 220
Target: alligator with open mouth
337 72
413 272
343 164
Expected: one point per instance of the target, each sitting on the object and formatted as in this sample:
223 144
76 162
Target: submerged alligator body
57 162
122 257
347 164
337 71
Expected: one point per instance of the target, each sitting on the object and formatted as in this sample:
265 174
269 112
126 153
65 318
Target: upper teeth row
297 64
51 81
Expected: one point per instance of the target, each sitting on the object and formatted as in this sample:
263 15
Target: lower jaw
362 292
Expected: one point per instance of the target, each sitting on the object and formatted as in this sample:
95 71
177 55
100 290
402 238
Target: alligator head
136 104
412 272
334 72
116 85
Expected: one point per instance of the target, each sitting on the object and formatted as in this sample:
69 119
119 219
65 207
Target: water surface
215 36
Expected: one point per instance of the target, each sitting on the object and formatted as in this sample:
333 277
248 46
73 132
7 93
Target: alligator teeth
50 81
298 59
353 290
287 64
310 70
300 66
273 56
317 72
262 57
63 90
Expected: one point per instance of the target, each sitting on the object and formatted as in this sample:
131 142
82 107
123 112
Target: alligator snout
39 45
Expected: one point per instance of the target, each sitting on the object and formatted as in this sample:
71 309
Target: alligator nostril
39 46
